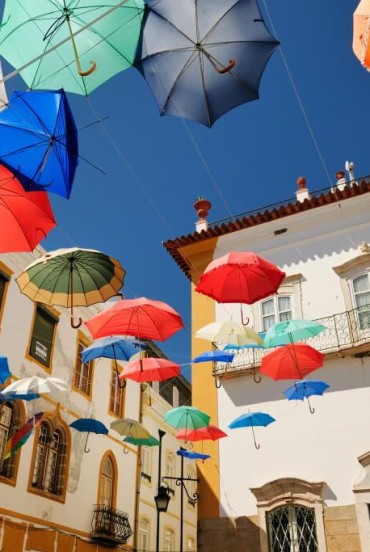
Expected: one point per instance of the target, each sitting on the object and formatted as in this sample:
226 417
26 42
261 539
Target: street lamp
162 499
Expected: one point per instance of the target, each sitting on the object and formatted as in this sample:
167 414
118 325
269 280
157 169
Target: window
190 544
50 460
82 380
4 283
143 540
192 487
292 529
42 336
275 310
107 482
169 540
10 421
361 293
170 471
117 395
146 463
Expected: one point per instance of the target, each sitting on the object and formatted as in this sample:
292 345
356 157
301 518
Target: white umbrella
35 384
229 332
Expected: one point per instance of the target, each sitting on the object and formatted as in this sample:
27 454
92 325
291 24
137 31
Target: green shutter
42 336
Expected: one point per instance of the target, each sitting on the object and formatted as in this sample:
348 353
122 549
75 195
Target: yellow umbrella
130 428
361 32
229 332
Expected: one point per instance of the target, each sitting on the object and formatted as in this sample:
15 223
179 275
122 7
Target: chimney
202 206
302 193
341 180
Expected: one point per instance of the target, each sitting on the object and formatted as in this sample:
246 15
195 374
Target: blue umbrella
252 419
4 369
305 389
89 425
4 397
205 57
192 455
38 141
214 356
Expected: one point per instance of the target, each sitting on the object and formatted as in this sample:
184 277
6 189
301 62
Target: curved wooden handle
88 72
226 69
74 324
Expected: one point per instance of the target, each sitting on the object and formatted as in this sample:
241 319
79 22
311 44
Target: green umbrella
187 417
289 331
72 277
72 44
141 441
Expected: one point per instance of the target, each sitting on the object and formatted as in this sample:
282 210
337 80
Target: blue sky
156 166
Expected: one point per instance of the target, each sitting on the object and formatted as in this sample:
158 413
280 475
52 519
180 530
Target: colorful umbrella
150 369
45 39
4 369
204 58
252 419
291 362
130 428
34 384
142 318
240 277
21 436
89 425
38 141
145 442
290 331
192 455
210 433
187 417
26 217
72 277
305 389
229 332
214 356
361 27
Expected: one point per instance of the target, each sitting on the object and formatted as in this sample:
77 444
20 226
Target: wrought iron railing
345 330
110 524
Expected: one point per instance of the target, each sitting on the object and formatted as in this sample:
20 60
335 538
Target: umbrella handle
77 59
226 69
217 384
255 379
257 445
76 324
86 449
244 321
125 451
312 410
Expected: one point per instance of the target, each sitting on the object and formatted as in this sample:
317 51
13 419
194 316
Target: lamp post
162 499
194 498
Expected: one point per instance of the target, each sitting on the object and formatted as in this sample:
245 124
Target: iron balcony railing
346 330
109 524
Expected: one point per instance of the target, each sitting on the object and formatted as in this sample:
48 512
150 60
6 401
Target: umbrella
230 332
26 217
89 425
142 441
150 369
72 277
5 397
46 39
142 318
210 433
252 419
291 362
192 455
290 331
214 356
3 93
38 141
130 428
299 390
34 384
4 369
361 22
187 417
21 436
204 57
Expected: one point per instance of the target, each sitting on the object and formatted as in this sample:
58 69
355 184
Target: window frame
54 315
166 529
6 274
108 455
145 533
292 525
20 417
83 341
114 389
146 474
276 312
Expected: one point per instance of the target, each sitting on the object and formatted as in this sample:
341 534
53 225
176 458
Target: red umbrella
142 318
150 369
26 217
240 277
293 361
210 433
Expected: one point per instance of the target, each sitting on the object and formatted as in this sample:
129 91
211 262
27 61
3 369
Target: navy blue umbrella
89 425
305 389
4 369
214 356
5 397
38 141
192 455
202 58
252 419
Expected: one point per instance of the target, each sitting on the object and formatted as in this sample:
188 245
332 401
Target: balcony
347 333
110 526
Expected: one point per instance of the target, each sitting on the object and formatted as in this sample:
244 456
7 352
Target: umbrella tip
202 206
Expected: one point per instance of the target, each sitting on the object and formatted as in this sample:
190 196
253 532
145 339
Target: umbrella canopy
229 332
71 277
192 455
99 38
187 417
89 425
150 369
5 397
290 331
144 442
4 369
361 22
252 419
115 347
21 435
214 356
130 428
34 385
305 389
240 277
205 57
210 433
38 141
293 361
143 318
26 217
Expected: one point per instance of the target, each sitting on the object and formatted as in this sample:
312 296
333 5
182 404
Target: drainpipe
138 473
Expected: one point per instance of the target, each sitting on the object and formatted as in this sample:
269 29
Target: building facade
308 485
60 492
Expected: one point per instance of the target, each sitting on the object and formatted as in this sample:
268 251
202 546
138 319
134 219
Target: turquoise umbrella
187 417
289 331
252 419
142 441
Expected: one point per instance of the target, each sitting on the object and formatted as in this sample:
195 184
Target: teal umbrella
289 331
187 417
76 45
142 441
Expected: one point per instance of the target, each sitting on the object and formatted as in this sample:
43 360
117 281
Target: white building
308 486
54 495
